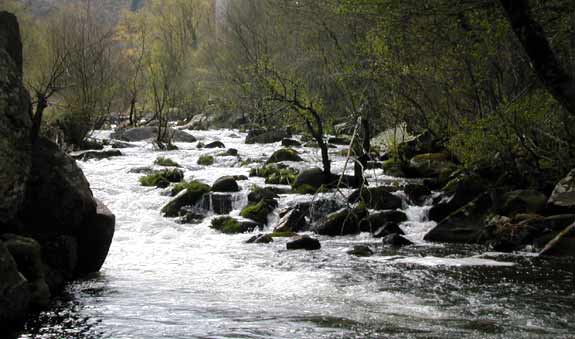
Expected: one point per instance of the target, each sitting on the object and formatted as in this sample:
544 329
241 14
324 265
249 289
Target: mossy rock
284 154
229 225
259 193
282 234
226 184
275 175
206 160
309 189
259 212
162 179
187 197
394 168
232 152
192 186
166 162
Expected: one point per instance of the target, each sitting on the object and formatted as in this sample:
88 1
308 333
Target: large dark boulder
459 192
292 221
15 122
313 177
187 197
58 198
303 242
396 240
465 225
522 201
150 134
95 239
563 196
284 154
15 293
225 184
262 136
317 209
417 194
374 221
388 229
215 144
95 155
378 198
344 222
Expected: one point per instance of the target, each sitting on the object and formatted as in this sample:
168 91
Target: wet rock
15 122
360 251
232 152
339 140
187 197
55 174
15 293
260 239
387 229
461 191
206 160
303 242
192 215
563 197
262 136
284 154
431 165
259 212
229 225
240 177
218 203
60 254
95 239
91 144
259 193
290 143
313 177
27 254
344 222
150 134
465 225
396 240
142 170
374 221
522 201
292 221
120 144
318 208
95 155
215 144
163 178
226 184
417 194
378 198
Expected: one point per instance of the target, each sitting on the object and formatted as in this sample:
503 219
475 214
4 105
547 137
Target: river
167 280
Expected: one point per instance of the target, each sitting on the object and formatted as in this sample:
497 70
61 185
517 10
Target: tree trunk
41 105
132 111
532 37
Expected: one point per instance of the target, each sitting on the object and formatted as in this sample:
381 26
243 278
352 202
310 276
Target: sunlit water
166 280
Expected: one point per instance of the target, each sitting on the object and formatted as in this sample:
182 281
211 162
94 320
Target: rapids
167 280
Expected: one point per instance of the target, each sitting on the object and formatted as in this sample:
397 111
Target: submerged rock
344 222
260 239
292 221
374 221
96 155
215 144
229 225
303 242
360 251
387 229
396 240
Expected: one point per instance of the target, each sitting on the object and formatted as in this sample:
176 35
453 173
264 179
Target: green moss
191 196
284 154
162 178
206 160
191 186
305 189
167 162
259 212
282 234
227 225
275 175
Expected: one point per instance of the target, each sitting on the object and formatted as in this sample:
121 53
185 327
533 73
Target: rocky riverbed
174 278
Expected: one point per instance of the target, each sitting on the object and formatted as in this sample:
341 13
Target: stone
313 177
15 293
95 239
387 229
187 197
260 239
215 144
420 144
431 165
15 122
95 155
417 194
460 191
60 254
259 193
303 242
225 184
344 222
563 196
262 136
292 221
219 204
317 209
360 251
55 174
259 212
522 201
378 198
290 143
284 154
232 152
120 144
394 168
464 225
229 225
396 240
374 221
199 122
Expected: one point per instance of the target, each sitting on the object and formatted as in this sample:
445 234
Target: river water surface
167 280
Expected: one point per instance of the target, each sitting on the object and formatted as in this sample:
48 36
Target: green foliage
166 162
275 175
162 178
206 160
259 212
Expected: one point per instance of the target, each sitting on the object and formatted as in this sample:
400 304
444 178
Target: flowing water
167 280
